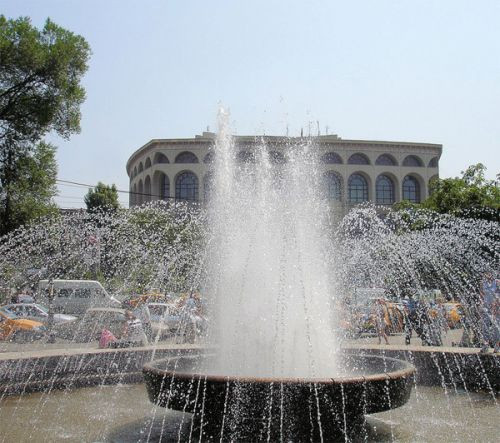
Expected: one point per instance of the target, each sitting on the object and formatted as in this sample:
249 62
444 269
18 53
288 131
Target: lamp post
50 322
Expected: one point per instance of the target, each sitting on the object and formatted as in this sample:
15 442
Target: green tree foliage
470 195
33 190
40 74
102 198
40 92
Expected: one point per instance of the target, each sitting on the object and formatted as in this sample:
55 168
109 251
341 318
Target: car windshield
41 308
9 314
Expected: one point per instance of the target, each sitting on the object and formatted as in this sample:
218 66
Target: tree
33 190
40 74
470 195
102 198
40 91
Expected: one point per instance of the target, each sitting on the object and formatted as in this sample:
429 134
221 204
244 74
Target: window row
248 156
187 188
357 188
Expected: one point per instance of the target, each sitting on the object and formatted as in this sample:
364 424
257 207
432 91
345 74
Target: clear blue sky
422 70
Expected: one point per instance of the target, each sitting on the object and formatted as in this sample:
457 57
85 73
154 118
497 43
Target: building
354 171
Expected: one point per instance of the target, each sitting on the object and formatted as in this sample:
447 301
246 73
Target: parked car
90 326
76 296
19 329
35 311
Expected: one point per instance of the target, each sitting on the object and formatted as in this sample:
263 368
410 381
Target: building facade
354 171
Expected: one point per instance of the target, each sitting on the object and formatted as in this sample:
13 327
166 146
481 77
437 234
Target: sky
401 70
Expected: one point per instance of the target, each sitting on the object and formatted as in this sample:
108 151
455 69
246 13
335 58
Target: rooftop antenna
301 132
317 124
287 130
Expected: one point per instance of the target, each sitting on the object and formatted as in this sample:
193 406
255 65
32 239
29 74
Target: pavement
396 341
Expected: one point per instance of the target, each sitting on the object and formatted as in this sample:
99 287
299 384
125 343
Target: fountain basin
280 407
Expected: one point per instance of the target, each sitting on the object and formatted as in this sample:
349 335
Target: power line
69 182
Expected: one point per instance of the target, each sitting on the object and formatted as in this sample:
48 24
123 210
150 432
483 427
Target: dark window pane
186 187
384 190
358 188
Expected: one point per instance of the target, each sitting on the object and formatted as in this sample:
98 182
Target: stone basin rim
406 370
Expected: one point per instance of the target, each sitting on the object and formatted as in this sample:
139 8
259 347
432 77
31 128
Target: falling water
267 271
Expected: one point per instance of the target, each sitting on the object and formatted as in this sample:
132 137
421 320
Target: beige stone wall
145 183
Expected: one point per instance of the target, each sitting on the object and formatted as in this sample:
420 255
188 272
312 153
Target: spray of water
268 275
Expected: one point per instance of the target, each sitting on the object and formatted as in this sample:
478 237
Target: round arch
186 157
147 189
186 186
386 189
140 193
160 157
413 161
147 164
358 159
141 168
331 158
413 188
358 187
433 163
386 160
332 185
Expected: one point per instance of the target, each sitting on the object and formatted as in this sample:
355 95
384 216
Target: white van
76 296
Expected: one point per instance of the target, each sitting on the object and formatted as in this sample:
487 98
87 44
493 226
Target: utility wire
69 183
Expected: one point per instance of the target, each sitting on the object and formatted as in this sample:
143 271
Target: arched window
331 158
413 160
160 158
133 195
208 183
411 189
186 187
358 159
245 157
164 187
358 188
332 186
433 163
140 193
384 189
135 171
141 167
147 189
147 164
186 157
209 158
386 160
277 157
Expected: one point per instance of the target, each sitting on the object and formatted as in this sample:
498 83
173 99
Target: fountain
276 370
272 266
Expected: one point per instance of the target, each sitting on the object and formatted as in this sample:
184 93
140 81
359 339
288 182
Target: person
188 320
106 339
380 322
141 311
490 312
132 333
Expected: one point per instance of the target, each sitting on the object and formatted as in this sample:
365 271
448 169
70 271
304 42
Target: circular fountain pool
280 407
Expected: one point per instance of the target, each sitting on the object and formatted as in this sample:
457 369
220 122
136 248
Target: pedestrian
141 311
490 312
132 333
380 321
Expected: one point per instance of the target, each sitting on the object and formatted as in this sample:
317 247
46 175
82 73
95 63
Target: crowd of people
137 328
